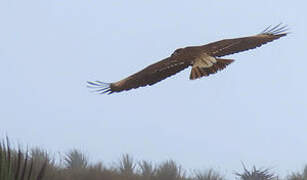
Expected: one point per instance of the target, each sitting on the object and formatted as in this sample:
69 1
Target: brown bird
203 59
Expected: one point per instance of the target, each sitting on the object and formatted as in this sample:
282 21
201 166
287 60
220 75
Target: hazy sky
254 111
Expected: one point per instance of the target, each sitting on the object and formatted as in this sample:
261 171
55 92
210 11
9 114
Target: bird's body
203 59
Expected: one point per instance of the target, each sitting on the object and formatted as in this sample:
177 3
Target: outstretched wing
148 76
230 46
179 61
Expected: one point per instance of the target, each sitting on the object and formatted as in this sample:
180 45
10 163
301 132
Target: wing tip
278 30
100 87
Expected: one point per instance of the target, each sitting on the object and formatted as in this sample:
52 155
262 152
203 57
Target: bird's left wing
148 76
231 46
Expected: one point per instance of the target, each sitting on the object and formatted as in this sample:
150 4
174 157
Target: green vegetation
36 164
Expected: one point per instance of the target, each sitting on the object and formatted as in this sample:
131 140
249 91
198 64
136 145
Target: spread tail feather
100 87
198 71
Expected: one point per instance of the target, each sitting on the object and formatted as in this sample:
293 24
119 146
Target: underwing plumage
203 59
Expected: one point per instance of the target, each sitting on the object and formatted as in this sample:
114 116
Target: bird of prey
205 60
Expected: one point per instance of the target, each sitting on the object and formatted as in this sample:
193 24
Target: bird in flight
205 60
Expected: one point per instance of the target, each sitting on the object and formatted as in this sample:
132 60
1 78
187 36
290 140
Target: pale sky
254 111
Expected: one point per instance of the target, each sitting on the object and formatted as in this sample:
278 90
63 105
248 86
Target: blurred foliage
18 165
298 175
208 175
256 174
37 164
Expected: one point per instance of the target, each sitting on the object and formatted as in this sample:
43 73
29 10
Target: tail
200 70
100 87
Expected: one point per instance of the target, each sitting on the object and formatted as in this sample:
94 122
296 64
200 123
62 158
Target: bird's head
177 51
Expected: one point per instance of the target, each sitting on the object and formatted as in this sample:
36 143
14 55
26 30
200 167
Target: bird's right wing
148 76
231 46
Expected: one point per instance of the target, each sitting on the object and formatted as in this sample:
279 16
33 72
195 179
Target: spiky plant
256 174
75 160
207 175
298 176
126 165
169 170
5 161
147 169
15 165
